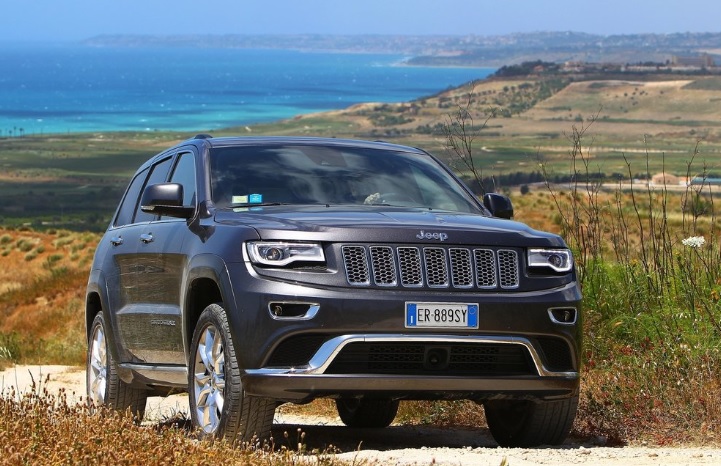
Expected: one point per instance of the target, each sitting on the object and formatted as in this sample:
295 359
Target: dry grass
41 428
41 302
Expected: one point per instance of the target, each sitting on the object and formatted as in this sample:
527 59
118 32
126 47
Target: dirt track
396 445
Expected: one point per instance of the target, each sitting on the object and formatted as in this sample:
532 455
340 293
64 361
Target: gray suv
252 272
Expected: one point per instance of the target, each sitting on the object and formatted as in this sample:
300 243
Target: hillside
42 283
75 181
665 115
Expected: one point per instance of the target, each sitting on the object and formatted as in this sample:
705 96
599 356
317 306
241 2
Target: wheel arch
208 283
95 300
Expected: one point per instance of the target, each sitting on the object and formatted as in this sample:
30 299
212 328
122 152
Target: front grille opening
462 359
556 354
296 351
384 267
409 261
432 267
356 265
436 268
461 265
508 268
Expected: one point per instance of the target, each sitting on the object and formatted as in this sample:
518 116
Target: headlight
279 254
559 260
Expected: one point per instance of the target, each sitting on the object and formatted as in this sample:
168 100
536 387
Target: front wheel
219 406
529 423
367 412
104 386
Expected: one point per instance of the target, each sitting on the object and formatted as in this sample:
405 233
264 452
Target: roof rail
203 136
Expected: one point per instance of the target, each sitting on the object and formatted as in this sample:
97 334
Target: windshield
307 174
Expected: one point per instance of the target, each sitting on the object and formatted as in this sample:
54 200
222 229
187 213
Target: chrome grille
485 268
356 265
384 267
436 269
508 268
461 265
409 261
432 267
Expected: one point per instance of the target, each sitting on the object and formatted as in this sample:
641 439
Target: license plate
441 315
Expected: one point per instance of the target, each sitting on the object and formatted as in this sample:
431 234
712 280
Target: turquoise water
59 89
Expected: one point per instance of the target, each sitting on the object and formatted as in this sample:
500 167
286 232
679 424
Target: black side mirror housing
165 199
499 205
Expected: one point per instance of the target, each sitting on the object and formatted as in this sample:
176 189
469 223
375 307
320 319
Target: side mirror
499 205
165 199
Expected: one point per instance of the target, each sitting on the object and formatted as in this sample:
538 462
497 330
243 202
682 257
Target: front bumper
300 384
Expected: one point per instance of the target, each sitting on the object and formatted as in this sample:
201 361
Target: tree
460 134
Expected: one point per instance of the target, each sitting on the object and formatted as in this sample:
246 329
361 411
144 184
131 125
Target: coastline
79 88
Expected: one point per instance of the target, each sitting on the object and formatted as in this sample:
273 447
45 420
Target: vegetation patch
705 84
39 428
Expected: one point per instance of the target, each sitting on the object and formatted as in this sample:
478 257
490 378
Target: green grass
706 84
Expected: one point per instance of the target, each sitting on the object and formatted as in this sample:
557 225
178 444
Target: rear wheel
104 387
530 424
367 412
219 407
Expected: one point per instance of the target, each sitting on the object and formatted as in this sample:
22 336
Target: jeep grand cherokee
258 271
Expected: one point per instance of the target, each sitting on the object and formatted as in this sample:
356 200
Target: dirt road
396 445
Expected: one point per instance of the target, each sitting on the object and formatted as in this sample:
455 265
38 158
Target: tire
530 424
104 387
367 413
219 407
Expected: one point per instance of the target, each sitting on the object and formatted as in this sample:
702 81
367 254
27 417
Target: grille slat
384 267
432 267
436 268
409 260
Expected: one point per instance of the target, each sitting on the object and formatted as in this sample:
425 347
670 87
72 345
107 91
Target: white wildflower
694 241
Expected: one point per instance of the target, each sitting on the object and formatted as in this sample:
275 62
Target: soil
395 445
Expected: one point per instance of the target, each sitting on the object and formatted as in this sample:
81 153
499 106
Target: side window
184 174
158 174
130 201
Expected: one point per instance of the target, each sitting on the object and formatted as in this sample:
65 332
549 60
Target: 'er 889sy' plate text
441 315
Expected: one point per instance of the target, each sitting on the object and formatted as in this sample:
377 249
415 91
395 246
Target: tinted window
130 201
329 175
158 174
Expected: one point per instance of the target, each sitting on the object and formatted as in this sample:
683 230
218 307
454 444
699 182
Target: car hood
384 224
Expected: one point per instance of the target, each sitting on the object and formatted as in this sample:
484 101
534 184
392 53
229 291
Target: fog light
293 311
563 315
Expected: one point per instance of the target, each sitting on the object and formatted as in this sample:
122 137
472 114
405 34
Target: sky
73 20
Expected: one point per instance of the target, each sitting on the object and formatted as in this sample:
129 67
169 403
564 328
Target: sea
69 88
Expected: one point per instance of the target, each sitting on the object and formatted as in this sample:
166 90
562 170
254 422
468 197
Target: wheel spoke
204 396
219 400
202 379
205 348
218 356
97 389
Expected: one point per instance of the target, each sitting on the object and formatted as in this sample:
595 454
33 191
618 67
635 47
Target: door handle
146 238
116 240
